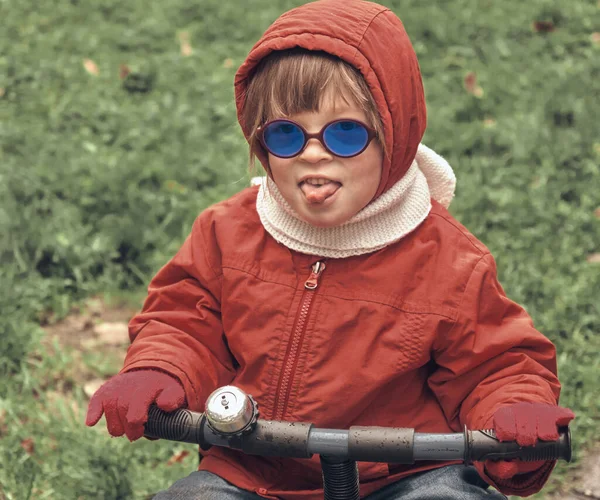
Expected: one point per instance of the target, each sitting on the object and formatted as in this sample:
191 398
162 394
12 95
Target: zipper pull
313 280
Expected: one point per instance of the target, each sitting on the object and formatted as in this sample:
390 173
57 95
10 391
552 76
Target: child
339 291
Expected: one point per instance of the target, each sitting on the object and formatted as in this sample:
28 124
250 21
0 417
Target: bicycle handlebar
359 443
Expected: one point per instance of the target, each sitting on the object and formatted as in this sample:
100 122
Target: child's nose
315 152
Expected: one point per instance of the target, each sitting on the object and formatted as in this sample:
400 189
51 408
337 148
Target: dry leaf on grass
91 67
596 38
123 71
178 457
184 43
594 258
28 445
228 63
543 26
471 86
597 212
3 426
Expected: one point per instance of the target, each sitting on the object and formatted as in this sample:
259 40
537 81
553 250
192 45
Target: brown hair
295 80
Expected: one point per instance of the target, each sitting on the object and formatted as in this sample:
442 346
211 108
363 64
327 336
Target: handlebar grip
186 426
181 425
484 445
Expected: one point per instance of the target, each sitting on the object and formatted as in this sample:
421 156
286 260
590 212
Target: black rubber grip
180 425
484 445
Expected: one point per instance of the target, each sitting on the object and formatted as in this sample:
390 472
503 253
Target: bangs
301 81
293 81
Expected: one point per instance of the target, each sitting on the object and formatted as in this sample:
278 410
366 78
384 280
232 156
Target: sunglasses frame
318 135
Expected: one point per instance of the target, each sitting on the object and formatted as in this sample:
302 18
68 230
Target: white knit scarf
391 216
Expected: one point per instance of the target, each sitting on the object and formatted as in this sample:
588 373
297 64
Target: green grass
102 176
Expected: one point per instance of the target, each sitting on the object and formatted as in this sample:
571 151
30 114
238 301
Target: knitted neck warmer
387 219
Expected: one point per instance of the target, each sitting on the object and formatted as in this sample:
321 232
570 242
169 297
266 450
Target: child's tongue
318 194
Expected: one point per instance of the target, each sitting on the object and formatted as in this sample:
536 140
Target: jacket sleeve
179 329
492 356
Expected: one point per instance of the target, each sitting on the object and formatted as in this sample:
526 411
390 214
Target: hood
371 38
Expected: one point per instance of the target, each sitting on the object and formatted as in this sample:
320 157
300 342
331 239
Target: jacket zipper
290 361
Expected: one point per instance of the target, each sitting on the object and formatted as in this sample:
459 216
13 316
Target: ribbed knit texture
393 215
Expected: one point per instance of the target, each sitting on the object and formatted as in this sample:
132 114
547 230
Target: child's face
357 178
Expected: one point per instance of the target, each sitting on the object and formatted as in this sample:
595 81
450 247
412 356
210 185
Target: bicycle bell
231 411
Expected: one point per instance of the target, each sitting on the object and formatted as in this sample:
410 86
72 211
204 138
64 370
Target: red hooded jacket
418 334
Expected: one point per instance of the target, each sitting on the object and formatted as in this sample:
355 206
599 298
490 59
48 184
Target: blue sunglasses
286 138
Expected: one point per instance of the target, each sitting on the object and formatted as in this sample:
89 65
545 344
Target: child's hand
525 423
125 399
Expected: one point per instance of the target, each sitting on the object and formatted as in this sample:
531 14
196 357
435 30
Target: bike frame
340 449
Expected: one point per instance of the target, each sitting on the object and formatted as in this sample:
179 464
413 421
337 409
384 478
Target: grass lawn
117 127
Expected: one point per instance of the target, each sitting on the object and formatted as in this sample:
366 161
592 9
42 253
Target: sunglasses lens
346 138
283 139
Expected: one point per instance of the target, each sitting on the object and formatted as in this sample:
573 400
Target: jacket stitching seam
203 245
258 277
430 313
357 48
463 233
274 36
345 298
465 292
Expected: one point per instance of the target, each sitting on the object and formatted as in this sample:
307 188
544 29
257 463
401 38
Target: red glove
525 423
125 399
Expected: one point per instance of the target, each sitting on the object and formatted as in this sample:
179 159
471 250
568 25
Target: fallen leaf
489 123
91 67
471 84
543 26
184 42
228 63
90 388
123 71
2 92
597 212
3 426
112 333
596 38
178 457
28 446
594 258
